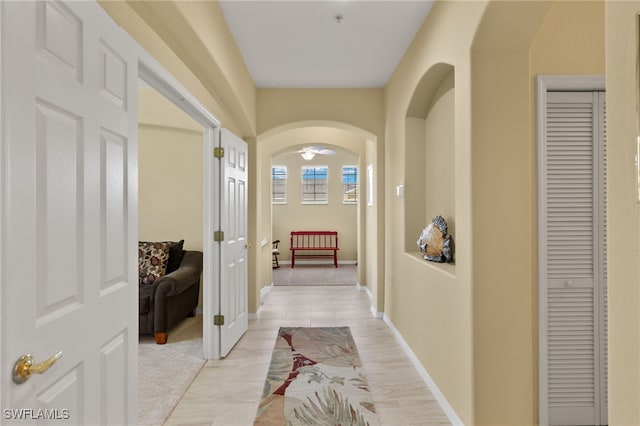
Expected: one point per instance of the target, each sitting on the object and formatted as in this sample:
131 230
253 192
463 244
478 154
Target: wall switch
400 191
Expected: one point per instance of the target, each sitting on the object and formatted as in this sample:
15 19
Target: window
279 184
314 184
350 188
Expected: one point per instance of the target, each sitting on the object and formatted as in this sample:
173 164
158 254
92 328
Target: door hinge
218 152
218 236
218 320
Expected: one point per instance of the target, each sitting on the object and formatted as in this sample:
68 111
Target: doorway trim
544 84
154 74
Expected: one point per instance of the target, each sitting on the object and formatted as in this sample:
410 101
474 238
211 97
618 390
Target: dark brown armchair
170 298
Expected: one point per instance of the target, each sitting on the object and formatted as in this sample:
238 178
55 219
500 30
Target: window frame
315 184
355 185
284 198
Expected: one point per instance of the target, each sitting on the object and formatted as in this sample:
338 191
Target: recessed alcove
429 156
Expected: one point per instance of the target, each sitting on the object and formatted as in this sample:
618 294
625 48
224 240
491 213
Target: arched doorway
345 137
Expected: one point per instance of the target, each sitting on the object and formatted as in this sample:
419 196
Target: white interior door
233 217
69 230
572 270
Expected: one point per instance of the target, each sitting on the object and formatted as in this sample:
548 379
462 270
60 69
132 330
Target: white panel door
573 260
233 217
69 190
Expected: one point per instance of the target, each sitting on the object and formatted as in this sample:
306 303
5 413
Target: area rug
316 378
316 275
166 371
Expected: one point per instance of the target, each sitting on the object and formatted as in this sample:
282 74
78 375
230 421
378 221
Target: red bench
314 241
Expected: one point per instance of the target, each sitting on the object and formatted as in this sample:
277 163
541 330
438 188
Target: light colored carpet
316 378
166 371
316 275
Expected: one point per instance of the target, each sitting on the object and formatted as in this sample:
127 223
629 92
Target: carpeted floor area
316 275
166 371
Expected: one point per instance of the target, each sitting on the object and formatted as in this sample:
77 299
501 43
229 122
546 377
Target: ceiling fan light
307 155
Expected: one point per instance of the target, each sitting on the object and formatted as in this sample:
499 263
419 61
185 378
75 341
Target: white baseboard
365 289
374 312
446 407
264 293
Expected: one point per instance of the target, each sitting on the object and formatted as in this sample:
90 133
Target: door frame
150 70
544 84
154 74
3 374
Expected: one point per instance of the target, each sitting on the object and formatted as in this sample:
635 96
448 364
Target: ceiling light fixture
308 155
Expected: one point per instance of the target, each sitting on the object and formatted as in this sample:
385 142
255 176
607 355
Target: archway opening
353 147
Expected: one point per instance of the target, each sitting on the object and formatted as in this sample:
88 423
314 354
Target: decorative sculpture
435 243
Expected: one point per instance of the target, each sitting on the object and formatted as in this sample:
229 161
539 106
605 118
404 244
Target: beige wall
170 173
170 185
414 180
504 274
623 212
439 140
429 303
483 309
192 41
333 216
362 108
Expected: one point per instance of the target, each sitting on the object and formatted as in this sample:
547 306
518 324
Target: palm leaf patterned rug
316 378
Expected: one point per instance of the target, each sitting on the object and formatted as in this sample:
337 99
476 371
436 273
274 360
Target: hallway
226 392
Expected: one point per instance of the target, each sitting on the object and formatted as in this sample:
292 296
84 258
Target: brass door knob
24 367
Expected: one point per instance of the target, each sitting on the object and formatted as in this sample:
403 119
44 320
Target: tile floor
226 392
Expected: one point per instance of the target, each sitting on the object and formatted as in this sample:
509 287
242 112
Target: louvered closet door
573 259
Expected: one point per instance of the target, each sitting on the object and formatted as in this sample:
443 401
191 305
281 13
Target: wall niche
429 156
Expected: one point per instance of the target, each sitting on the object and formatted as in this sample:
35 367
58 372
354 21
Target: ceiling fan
308 152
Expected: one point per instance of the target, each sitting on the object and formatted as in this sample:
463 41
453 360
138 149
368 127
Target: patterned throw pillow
175 254
152 261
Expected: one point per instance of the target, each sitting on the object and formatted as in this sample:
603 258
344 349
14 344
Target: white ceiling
299 43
